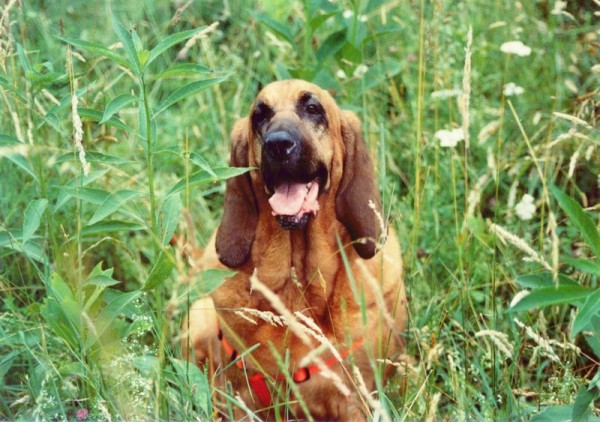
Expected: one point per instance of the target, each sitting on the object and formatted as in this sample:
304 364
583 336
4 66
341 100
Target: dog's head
303 146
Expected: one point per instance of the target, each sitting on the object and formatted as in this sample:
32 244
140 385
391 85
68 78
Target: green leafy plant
544 292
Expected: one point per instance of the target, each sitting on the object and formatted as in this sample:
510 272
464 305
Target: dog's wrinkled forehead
295 99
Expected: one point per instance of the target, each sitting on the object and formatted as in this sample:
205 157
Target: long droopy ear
235 235
357 188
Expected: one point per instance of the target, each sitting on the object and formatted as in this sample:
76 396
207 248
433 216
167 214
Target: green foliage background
93 294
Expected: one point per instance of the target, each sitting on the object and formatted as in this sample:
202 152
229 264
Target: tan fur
304 268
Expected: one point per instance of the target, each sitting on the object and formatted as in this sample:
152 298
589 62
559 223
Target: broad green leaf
9 148
117 104
184 69
100 277
113 203
198 160
97 49
55 315
68 191
95 157
31 249
578 217
187 90
161 270
96 116
24 62
61 311
137 42
544 279
169 215
111 226
583 265
380 74
221 173
212 279
589 310
23 164
125 37
93 196
279 29
317 21
331 45
546 296
581 406
109 314
7 140
19 93
196 382
170 41
553 414
33 215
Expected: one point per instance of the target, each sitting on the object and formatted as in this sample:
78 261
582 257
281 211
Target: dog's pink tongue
288 198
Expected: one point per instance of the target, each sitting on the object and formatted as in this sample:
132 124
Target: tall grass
113 130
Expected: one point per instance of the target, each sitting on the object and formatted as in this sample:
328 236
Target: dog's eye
261 114
313 109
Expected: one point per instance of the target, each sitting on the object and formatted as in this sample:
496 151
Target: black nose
280 144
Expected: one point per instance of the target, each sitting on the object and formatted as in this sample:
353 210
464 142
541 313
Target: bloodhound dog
317 302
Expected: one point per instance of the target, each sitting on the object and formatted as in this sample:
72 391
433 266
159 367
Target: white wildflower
525 209
362 18
360 70
340 74
348 14
512 89
449 138
516 48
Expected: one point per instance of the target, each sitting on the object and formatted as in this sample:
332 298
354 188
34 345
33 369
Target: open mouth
294 203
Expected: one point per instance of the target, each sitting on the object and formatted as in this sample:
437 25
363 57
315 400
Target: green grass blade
187 90
577 216
170 41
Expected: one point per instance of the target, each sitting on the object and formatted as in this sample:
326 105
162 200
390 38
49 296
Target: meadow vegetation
114 128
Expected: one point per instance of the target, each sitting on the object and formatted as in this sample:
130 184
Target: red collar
258 381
